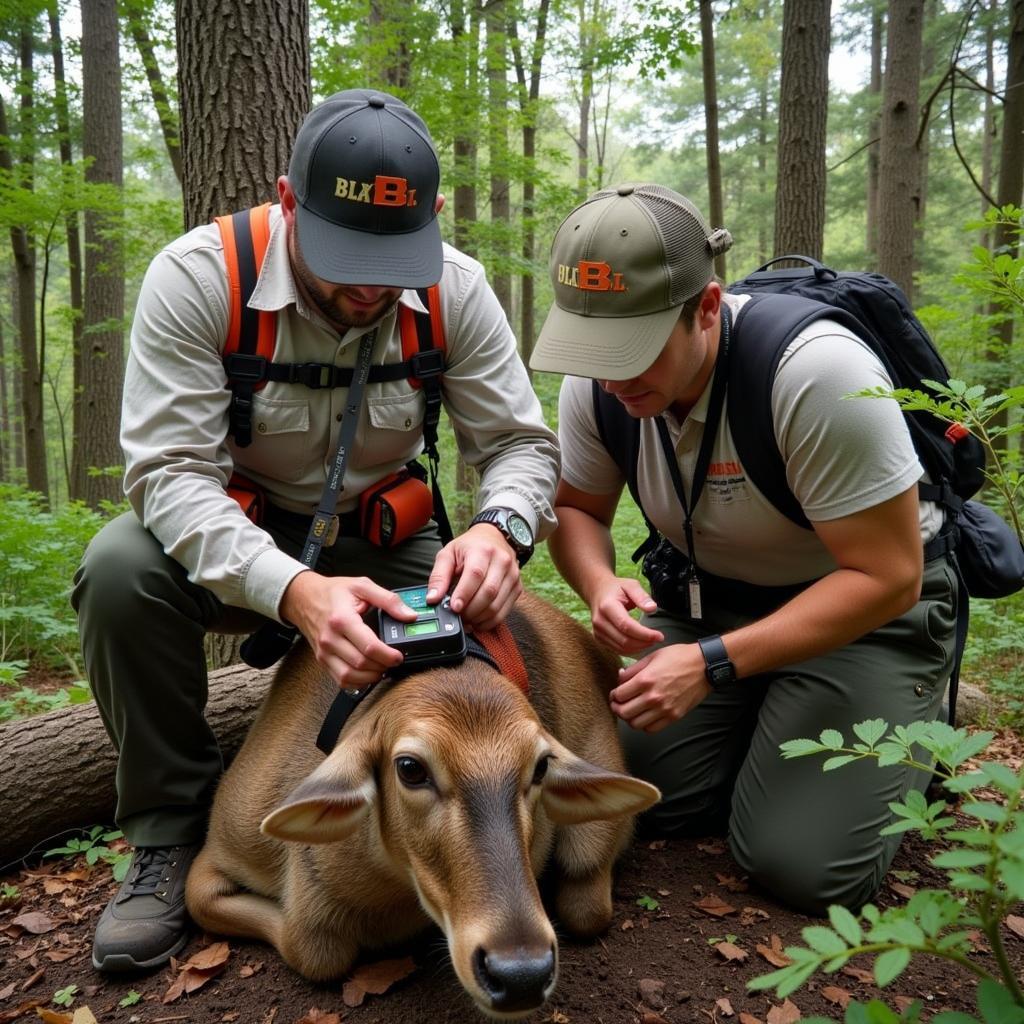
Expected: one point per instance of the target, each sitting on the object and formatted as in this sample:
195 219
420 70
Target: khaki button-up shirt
174 427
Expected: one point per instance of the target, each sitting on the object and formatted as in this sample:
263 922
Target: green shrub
39 552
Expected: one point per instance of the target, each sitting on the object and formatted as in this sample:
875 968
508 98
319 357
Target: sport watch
514 528
719 670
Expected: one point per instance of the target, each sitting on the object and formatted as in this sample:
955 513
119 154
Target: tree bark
529 95
98 439
23 247
1010 188
57 770
586 43
76 484
243 83
389 45
874 129
989 131
716 209
498 152
899 163
466 37
803 113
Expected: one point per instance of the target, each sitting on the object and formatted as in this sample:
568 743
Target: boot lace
151 871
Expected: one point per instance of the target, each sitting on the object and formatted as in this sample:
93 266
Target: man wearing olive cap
354 234
756 631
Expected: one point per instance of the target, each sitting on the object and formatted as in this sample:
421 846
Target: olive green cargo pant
810 837
142 624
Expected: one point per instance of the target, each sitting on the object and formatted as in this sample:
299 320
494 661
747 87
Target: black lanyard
325 518
716 403
273 639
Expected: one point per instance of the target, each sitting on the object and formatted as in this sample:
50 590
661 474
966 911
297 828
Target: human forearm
582 550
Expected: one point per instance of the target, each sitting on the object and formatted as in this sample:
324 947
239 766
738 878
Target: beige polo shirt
843 455
175 412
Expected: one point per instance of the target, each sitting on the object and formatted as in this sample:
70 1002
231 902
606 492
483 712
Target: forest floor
682 954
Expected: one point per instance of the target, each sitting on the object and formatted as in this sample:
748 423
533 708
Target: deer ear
575 791
332 801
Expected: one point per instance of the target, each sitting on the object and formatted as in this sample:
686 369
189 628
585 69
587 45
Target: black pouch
988 552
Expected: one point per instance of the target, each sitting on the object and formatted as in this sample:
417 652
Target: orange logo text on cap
382 191
591 276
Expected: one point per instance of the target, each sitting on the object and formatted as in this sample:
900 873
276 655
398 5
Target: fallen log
57 769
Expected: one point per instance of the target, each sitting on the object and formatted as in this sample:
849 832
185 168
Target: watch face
520 529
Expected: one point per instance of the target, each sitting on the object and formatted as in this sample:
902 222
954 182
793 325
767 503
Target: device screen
422 628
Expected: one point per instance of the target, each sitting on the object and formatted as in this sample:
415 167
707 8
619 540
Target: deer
446 795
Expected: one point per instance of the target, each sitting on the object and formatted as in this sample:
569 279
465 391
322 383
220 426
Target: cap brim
413 259
609 348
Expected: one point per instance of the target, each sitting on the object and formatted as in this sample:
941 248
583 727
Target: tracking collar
348 700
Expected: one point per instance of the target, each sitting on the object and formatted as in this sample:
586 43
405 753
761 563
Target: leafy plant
130 999
984 864
65 996
647 902
93 847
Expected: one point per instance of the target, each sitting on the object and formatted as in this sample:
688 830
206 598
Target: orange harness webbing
501 646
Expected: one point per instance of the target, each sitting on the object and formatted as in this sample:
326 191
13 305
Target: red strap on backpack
245 236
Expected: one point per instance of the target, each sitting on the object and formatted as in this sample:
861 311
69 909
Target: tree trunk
874 130
98 444
165 111
707 48
1011 185
586 99
57 770
803 112
928 58
388 46
23 246
243 83
467 39
6 463
529 94
898 172
76 484
498 152
989 130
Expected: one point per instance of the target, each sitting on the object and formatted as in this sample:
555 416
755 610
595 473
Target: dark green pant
810 837
142 623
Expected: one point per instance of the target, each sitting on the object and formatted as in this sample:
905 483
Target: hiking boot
146 923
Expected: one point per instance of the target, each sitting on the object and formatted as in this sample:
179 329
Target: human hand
661 688
329 613
488 576
610 605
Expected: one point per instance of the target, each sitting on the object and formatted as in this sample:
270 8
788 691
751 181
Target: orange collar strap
501 646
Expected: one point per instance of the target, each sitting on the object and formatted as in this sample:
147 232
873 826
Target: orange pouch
248 495
395 508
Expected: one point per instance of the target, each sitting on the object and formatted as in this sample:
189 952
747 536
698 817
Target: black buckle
427 364
245 368
314 375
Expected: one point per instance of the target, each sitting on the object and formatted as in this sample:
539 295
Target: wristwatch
514 528
719 670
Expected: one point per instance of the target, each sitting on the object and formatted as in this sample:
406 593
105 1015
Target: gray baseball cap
622 265
365 174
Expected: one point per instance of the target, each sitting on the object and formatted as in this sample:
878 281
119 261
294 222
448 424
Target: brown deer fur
325 857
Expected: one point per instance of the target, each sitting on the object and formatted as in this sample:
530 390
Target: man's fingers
378 597
441 575
638 596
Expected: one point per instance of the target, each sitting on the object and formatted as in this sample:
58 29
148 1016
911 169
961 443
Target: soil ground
654 965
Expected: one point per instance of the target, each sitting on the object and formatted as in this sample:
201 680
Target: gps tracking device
436 637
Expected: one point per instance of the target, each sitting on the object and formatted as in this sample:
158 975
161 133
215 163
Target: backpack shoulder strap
252 333
424 350
762 331
620 435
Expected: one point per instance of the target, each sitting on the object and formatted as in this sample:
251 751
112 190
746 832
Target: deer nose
517 980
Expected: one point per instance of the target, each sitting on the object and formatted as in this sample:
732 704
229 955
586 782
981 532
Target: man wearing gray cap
354 235
758 631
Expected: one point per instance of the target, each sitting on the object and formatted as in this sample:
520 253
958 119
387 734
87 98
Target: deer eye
411 773
541 770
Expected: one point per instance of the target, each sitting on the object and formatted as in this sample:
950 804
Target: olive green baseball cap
622 265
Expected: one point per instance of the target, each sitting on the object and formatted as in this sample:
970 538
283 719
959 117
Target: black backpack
990 558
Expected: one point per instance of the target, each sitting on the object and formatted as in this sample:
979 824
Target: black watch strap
719 670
